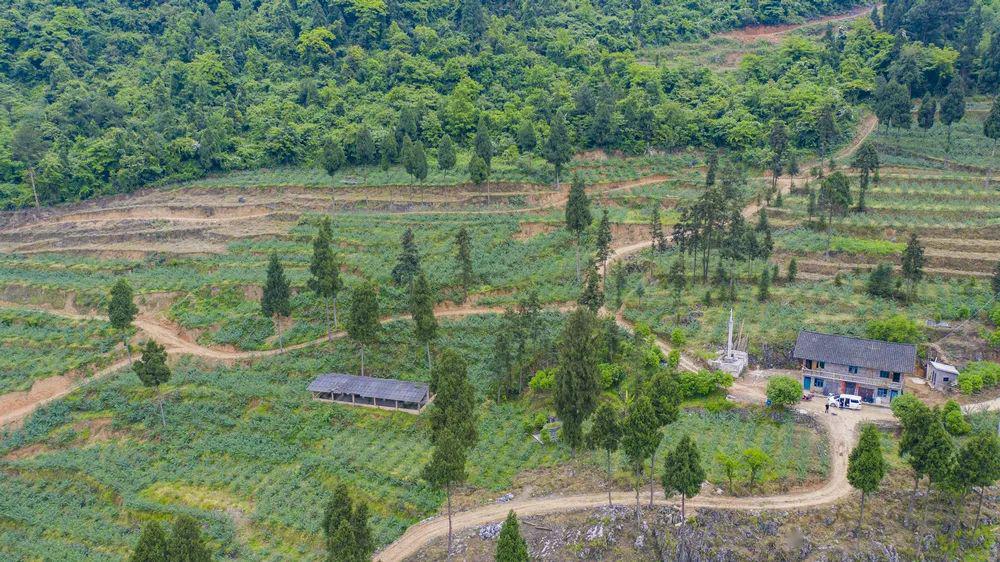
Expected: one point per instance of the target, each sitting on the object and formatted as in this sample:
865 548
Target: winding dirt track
42 393
841 428
169 337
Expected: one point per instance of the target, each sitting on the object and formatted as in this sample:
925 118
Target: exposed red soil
774 33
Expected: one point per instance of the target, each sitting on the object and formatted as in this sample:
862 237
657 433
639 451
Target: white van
849 401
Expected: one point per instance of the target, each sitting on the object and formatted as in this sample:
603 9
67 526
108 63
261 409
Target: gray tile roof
370 387
847 350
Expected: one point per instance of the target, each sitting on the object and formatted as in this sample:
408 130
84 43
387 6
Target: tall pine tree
927 112
526 139
991 129
153 371
578 217
422 310
577 386
640 438
866 467
482 143
463 258
446 153
953 107
682 471
592 295
362 320
122 311
557 150
274 302
713 168
408 262
346 528
453 426
913 263
152 545
510 544
656 229
606 434
325 273
186 543
603 243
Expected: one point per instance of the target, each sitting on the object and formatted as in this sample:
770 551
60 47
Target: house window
809 363
882 392
852 370
822 364
946 379
883 374
895 377
817 383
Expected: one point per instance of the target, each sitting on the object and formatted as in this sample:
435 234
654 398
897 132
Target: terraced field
196 256
248 453
939 195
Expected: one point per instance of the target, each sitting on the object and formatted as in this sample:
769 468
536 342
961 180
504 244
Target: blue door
807 382
893 394
850 388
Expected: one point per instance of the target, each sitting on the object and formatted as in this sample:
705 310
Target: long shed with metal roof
355 390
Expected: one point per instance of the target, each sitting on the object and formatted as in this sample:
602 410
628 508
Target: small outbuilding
388 394
941 376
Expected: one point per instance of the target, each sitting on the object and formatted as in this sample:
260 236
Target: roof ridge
859 338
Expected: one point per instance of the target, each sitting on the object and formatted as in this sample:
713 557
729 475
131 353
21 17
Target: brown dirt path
18 405
841 433
774 33
842 429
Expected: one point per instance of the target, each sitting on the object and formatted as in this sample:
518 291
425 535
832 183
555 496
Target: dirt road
45 391
774 33
176 344
842 427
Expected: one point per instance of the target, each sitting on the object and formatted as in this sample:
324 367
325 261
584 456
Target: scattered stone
505 498
595 532
490 532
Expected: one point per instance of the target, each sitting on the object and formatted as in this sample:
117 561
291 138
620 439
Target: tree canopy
230 86
576 380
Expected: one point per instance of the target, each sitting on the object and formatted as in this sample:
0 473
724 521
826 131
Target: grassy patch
35 345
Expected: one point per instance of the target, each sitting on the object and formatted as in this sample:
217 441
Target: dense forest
107 96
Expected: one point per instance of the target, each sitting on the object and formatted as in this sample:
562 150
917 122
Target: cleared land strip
834 267
202 214
774 33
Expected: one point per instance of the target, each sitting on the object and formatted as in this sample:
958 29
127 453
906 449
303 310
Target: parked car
847 401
